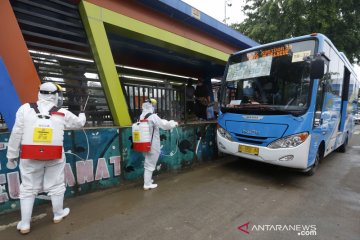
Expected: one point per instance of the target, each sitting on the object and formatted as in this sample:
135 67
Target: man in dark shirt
202 99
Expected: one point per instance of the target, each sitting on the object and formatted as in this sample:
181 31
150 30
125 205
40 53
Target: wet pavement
227 199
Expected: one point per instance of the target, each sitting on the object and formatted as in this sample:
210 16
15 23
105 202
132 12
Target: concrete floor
211 201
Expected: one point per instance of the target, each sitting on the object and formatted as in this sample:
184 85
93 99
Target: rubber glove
173 123
11 163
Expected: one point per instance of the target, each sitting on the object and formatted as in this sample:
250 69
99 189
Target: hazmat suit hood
49 95
147 107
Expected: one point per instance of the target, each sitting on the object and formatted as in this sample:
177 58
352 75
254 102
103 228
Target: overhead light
54 79
60 55
152 71
215 80
141 78
91 75
176 83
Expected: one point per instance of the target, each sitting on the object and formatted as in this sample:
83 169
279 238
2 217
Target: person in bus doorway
202 99
39 133
155 123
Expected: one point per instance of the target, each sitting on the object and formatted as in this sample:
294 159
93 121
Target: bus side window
321 90
319 96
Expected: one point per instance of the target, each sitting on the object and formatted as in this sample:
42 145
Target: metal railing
170 100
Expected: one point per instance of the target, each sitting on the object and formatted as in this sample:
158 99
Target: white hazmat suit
41 175
152 157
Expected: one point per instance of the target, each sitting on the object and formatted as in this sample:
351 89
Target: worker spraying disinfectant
39 133
151 145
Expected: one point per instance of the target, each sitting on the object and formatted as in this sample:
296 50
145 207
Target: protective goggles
59 89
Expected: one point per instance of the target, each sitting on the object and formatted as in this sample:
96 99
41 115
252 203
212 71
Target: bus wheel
342 148
314 167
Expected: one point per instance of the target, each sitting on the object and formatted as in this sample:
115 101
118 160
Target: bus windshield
274 80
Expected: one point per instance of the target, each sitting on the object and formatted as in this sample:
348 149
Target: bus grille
251 139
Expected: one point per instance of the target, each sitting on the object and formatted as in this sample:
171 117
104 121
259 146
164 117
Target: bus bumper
296 157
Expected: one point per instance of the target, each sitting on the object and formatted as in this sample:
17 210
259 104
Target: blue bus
288 103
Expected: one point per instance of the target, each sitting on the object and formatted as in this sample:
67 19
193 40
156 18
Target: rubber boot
26 206
148 182
58 210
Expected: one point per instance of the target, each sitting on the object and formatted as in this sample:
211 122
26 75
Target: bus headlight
289 141
224 134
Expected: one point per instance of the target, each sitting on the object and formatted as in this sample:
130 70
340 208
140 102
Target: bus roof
310 36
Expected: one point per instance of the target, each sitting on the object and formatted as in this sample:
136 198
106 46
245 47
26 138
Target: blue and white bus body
250 135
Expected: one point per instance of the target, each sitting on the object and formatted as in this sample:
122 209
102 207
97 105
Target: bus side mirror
317 68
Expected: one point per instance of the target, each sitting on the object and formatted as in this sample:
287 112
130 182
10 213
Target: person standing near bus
202 99
39 133
155 122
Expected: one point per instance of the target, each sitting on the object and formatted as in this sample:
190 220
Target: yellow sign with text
136 136
42 135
